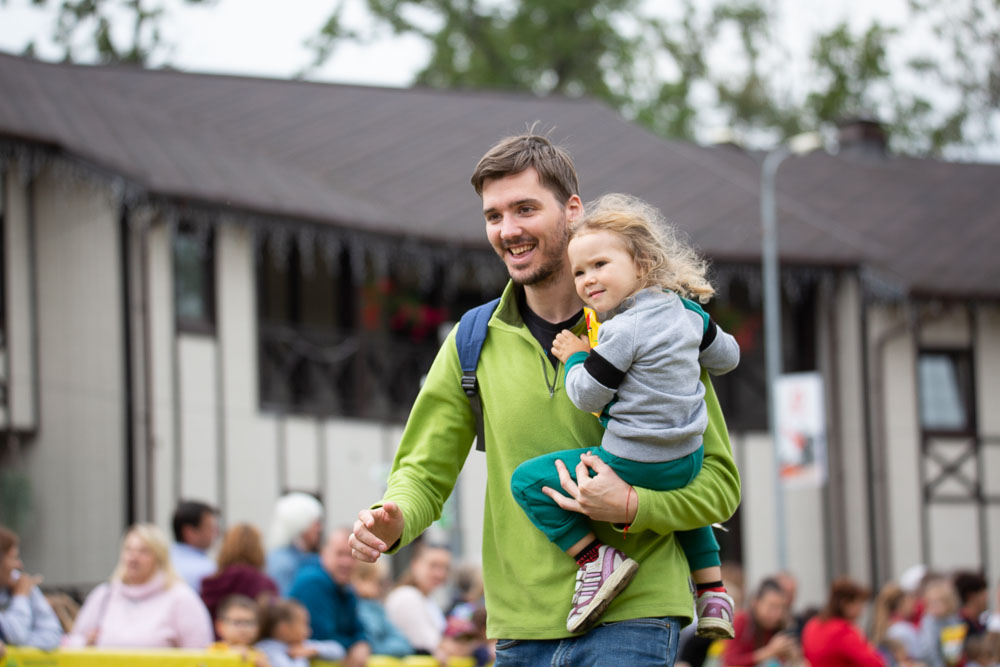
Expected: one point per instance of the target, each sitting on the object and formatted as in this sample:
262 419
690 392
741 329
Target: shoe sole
714 628
619 579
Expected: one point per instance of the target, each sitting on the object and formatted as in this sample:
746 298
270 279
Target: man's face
337 559
204 535
769 610
527 226
311 536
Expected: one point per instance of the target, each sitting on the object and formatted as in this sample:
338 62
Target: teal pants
566 528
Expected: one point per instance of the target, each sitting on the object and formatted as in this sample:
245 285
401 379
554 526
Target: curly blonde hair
662 255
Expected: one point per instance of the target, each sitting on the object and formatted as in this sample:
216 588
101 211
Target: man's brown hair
513 155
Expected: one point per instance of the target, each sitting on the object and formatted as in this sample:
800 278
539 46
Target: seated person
237 624
196 527
369 583
146 604
241 570
286 637
26 619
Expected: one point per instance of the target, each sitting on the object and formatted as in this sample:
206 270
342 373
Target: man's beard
551 265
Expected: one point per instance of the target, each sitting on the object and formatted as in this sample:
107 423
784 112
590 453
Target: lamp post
797 145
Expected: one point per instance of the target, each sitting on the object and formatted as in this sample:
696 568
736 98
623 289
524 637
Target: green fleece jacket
528 580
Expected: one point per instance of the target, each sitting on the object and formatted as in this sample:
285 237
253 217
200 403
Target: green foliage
88 26
661 73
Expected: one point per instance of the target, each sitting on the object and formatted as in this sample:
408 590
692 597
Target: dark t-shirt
544 331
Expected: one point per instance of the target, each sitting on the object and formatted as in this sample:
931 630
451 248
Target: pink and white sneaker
597 584
715 615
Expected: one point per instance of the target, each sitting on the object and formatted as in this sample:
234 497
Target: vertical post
772 329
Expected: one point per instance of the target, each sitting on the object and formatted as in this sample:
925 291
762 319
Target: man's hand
24 584
565 345
375 531
603 497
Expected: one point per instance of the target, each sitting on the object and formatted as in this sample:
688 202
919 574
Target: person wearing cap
294 539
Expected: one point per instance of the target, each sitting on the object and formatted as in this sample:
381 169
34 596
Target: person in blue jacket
26 619
324 589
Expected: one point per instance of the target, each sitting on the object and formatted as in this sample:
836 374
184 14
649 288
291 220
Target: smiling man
530 196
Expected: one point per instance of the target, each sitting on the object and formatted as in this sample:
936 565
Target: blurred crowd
925 619
303 596
281 603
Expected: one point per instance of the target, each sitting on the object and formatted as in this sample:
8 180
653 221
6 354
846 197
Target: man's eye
526 209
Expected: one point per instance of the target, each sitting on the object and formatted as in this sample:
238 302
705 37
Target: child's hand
303 651
566 344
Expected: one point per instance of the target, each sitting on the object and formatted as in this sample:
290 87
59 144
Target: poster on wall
801 430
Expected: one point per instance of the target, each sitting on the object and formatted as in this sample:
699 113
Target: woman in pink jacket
146 604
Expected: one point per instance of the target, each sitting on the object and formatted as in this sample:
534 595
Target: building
223 288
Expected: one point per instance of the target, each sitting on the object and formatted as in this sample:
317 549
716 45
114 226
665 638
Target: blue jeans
639 642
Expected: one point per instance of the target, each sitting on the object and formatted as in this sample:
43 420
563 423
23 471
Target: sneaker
715 616
597 584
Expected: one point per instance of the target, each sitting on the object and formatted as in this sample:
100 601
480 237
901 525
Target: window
945 382
194 279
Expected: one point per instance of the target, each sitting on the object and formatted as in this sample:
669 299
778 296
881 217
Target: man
973 599
760 636
196 528
324 589
530 196
294 538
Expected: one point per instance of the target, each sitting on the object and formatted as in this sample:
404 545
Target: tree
91 30
665 72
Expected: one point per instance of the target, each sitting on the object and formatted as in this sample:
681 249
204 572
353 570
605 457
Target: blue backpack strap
469 339
710 329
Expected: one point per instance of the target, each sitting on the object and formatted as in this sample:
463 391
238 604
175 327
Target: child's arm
721 352
326 650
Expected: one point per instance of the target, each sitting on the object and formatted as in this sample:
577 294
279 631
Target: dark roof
397 161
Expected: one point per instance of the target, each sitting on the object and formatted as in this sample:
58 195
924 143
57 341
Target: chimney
863 137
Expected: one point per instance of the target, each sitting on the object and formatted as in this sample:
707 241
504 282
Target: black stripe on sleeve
603 370
711 331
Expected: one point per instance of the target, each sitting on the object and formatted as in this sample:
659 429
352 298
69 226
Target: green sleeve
714 494
435 443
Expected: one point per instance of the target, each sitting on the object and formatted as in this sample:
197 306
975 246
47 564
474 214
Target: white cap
293 514
910 580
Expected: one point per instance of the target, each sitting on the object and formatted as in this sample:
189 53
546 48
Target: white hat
293 514
910 580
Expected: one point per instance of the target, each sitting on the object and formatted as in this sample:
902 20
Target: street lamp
797 145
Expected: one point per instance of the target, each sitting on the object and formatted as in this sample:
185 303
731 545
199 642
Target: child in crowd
236 625
286 637
370 583
644 378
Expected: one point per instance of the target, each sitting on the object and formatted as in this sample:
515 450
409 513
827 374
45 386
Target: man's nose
509 227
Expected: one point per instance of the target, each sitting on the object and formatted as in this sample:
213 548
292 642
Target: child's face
294 631
237 627
604 271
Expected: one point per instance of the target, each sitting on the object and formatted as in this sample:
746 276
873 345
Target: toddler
643 377
236 625
287 644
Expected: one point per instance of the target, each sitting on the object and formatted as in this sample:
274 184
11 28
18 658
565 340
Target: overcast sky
266 38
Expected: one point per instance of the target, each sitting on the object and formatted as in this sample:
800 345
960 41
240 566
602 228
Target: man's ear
574 208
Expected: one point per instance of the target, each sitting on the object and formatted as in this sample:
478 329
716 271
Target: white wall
987 391
20 344
76 462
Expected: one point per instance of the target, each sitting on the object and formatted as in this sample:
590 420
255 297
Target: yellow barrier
32 657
